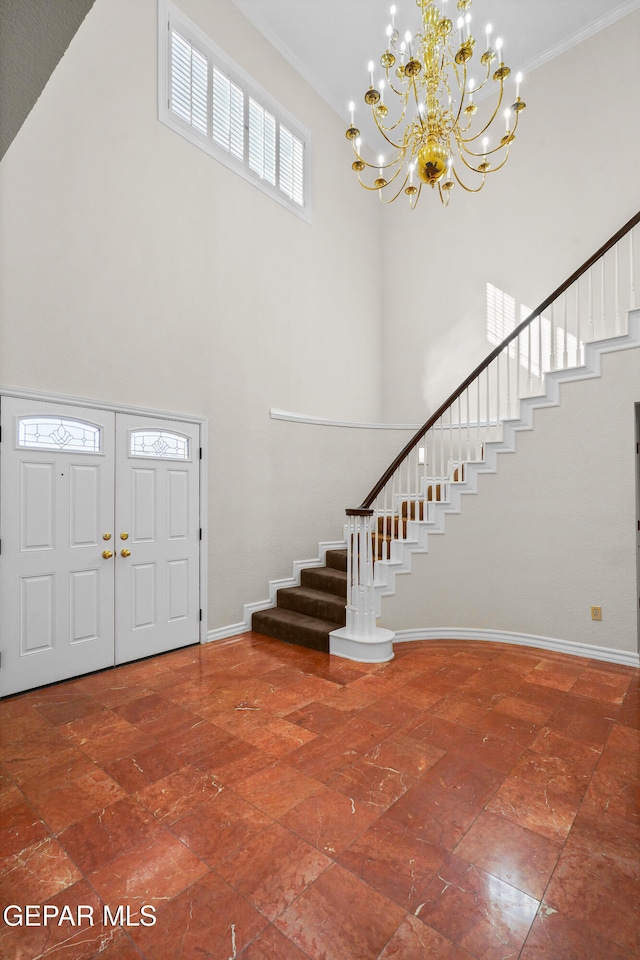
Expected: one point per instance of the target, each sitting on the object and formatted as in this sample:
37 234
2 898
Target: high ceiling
330 42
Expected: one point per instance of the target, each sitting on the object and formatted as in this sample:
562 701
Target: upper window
59 433
212 102
159 444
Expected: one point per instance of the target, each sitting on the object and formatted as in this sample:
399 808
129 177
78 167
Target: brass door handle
107 554
106 536
124 536
125 553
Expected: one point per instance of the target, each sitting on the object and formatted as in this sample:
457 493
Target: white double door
100 528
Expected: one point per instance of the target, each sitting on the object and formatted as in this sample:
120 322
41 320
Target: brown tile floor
467 800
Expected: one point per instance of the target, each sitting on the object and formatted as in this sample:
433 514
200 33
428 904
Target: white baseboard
627 658
555 644
231 630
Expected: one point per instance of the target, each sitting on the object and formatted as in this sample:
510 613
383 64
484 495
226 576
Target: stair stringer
386 571
249 609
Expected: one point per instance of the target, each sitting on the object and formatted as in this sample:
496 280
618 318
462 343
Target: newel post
361 639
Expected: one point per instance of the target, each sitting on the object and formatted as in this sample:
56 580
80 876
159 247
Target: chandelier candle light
436 133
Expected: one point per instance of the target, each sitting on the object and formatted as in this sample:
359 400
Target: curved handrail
433 419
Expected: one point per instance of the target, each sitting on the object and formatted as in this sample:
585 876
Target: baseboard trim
231 630
624 657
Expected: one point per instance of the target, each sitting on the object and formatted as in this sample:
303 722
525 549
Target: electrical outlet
596 613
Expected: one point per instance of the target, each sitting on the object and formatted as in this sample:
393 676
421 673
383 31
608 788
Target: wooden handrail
384 479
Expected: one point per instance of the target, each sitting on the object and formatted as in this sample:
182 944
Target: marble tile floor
467 801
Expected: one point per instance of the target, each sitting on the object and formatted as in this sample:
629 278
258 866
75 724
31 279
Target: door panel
56 590
157 507
83 505
37 497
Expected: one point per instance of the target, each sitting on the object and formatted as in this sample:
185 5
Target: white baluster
565 352
540 364
552 342
578 330
387 525
590 305
529 359
375 532
632 274
409 490
450 457
468 427
479 450
616 284
459 437
603 306
508 383
518 365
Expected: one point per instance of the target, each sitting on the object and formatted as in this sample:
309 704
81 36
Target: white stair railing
592 304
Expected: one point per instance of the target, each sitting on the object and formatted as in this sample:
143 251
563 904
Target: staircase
307 614
592 313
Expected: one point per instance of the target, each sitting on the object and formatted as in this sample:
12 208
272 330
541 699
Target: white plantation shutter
228 114
189 78
262 142
214 104
291 166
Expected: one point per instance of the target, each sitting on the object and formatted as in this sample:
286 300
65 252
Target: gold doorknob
106 536
125 553
107 554
124 536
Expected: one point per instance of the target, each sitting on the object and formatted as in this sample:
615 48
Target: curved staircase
335 607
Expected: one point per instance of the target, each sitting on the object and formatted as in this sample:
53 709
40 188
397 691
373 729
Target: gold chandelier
433 130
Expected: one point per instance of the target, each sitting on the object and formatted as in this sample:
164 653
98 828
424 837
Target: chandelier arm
375 166
392 143
395 197
482 85
381 127
515 126
502 163
384 130
461 88
489 122
470 189
398 93
444 196
505 146
367 187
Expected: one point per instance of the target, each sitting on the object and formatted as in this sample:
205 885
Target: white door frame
201 422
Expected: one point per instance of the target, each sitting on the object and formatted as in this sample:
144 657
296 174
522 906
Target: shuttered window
291 165
228 114
209 100
188 83
262 142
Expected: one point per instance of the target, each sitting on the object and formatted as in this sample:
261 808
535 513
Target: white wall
571 181
136 269
550 534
